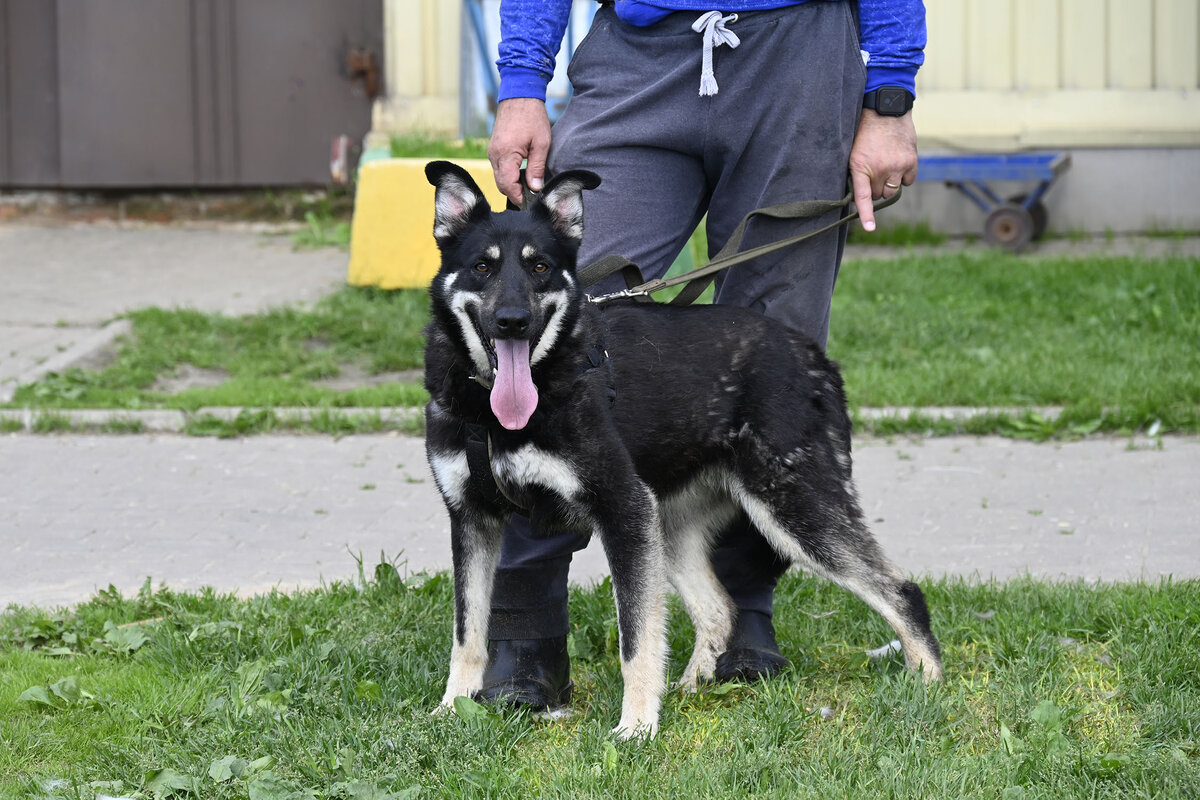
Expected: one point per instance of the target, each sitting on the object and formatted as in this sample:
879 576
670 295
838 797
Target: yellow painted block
391 235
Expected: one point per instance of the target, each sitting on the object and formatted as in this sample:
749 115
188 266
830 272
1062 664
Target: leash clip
644 290
621 295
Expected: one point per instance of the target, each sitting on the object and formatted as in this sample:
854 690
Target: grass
900 234
322 230
275 358
1111 340
1052 690
417 145
330 421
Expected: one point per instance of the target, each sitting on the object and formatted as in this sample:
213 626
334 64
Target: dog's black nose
512 320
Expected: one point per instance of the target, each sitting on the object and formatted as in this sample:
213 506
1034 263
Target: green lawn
278 357
1114 341
1051 690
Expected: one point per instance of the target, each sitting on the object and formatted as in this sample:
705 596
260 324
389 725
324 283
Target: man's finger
862 200
535 172
508 176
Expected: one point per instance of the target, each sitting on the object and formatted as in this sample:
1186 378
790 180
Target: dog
649 425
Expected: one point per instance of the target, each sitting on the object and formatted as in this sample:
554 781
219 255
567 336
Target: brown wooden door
180 92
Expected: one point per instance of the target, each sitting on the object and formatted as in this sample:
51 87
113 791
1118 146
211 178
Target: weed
123 425
51 422
247 422
322 231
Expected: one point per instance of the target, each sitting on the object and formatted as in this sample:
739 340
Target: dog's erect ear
562 199
457 197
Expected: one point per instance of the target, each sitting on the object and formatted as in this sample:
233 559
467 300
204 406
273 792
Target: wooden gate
107 93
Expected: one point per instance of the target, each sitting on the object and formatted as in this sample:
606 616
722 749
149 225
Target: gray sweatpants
779 129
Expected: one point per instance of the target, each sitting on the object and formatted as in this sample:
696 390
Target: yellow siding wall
998 73
1006 45
422 69
1057 73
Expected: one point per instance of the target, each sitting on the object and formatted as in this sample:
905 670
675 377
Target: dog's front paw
635 729
446 706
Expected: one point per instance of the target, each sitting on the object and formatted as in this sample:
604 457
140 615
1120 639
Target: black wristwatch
889 101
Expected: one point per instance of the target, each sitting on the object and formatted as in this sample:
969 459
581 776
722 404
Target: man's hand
521 132
883 157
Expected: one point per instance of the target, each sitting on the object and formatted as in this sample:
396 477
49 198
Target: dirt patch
187 377
99 359
352 376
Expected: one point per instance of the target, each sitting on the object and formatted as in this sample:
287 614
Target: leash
479 439
698 279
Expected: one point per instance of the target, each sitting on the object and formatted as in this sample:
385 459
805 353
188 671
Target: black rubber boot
534 673
752 653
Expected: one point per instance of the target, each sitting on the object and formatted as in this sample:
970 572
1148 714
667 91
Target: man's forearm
531 33
893 34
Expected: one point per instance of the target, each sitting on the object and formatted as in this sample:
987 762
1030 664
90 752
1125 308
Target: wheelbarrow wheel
1037 211
1009 226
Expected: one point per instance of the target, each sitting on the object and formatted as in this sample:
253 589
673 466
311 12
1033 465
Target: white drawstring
712 26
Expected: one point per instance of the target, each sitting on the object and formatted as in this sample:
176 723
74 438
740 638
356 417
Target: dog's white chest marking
531 466
451 473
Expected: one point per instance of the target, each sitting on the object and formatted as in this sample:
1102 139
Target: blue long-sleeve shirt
891 32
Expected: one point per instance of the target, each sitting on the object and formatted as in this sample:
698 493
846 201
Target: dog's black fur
716 410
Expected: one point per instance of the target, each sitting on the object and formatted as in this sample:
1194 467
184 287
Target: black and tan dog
649 425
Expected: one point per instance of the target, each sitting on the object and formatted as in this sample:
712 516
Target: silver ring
891 185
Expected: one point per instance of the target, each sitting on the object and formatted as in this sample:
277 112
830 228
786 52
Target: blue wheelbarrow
1010 223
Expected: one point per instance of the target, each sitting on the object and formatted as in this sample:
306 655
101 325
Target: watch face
891 101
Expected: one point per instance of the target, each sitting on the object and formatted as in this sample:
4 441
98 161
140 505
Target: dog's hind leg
827 535
711 611
690 523
632 537
475 546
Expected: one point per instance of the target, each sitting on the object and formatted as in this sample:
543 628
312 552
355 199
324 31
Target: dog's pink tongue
514 397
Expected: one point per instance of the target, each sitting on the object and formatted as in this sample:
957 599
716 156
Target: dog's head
507 281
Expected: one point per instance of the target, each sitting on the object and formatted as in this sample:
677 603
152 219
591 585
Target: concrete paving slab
87 274
80 512
35 352
63 283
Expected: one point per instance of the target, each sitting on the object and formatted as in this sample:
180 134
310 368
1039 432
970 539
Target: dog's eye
481 267
540 267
